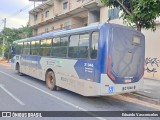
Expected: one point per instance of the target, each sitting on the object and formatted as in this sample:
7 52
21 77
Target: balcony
40 12
58 13
75 7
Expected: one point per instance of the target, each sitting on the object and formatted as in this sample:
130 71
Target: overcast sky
15 12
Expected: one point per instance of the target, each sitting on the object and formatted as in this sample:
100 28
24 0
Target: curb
142 97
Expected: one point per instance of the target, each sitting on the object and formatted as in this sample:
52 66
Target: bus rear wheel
51 80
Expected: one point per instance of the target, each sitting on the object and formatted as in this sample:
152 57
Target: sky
15 12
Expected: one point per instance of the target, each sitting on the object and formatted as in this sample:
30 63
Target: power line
21 10
18 12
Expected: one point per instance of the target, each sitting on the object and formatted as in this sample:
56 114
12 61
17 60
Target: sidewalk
150 92
5 63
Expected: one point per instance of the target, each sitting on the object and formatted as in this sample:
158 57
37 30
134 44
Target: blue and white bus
98 60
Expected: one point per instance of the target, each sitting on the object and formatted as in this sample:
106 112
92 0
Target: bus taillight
108 69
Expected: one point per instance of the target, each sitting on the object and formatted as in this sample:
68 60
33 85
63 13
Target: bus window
26 49
45 48
19 48
56 42
60 47
73 46
78 46
94 45
83 46
34 47
55 46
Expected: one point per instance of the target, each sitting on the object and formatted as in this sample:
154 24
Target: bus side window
55 46
63 46
45 48
60 46
19 48
34 47
26 49
83 46
78 46
73 46
94 45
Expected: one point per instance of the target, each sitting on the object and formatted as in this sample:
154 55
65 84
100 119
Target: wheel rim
50 80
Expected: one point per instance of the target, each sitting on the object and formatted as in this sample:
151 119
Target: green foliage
141 13
12 35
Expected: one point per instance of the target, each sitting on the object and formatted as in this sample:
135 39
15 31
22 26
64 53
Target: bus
97 60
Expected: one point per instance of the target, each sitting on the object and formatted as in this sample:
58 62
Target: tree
12 35
141 13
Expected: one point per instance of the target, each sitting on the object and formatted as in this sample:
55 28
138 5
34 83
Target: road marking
146 91
58 98
10 94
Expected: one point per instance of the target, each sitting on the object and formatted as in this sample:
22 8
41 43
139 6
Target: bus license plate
128 81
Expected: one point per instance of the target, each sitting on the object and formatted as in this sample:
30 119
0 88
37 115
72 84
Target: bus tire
51 80
18 69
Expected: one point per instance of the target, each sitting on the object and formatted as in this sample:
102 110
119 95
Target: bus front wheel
51 80
18 69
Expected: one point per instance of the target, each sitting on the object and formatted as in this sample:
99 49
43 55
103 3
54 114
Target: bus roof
61 32
76 30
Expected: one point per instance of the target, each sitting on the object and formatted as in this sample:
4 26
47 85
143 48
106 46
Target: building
60 14
66 14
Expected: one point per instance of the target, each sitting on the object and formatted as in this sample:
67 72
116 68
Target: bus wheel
18 69
51 80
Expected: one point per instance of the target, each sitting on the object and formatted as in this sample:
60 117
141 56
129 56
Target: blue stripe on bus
31 61
85 69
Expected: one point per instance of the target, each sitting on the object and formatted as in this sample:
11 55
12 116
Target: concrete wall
56 25
152 55
56 6
77 22
104 17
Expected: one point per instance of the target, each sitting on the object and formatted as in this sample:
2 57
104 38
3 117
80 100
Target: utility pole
3 46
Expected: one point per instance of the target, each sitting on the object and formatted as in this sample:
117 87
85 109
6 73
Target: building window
53 28
61 26
35 17
46 13
67 25
65 5
46 30
113 13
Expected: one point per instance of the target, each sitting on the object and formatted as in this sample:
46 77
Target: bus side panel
69 77
14 61
30 65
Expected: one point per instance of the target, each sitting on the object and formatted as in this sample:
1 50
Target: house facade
54 15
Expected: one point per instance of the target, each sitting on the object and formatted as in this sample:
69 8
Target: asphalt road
24 93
